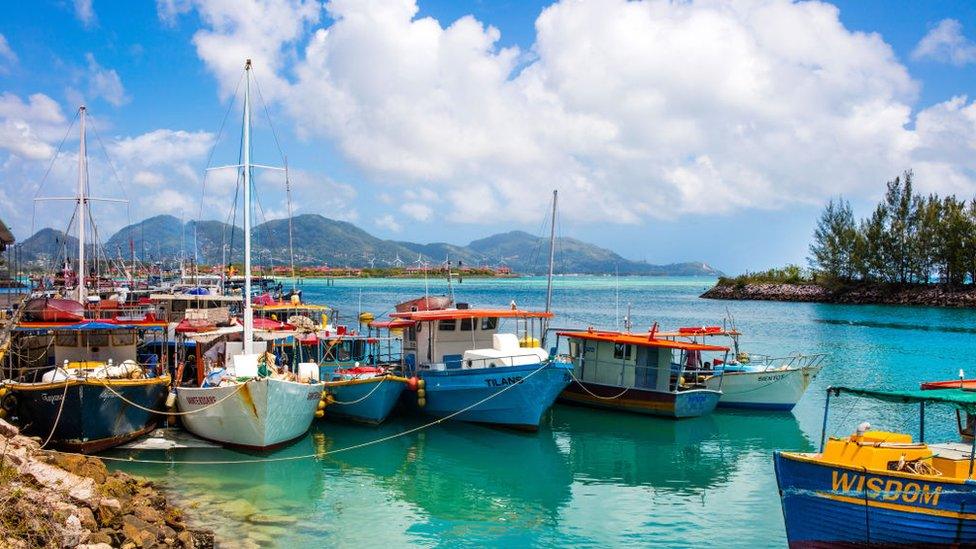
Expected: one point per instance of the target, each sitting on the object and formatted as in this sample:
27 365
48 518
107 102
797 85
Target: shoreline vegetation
911 250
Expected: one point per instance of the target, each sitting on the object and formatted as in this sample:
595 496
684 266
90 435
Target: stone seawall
858 294
66 500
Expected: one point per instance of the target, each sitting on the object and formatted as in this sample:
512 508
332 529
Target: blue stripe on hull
373 409
522 405
815 515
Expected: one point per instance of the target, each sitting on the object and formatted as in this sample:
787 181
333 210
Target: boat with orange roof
641 373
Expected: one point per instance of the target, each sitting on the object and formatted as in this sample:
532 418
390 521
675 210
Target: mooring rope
360 399
594 395
318 454
188 412
57 419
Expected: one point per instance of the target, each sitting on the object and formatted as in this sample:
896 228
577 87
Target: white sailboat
263 411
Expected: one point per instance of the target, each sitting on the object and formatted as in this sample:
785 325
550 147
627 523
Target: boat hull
364 400
93 417
769 390
826 504
521 407
693 403
261 414
45 309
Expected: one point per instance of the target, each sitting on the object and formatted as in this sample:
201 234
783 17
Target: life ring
9 402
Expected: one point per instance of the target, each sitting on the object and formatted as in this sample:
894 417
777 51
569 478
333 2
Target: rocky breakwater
66 500
930 295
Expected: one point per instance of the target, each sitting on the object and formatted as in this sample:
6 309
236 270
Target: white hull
767 390
263 413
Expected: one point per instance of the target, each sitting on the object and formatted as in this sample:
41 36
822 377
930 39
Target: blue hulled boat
882 488
469 372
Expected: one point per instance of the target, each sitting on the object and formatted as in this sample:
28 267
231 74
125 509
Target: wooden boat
965 426
49 309
882 488
640 373
425 303
754 381
245 401
98 395
467 369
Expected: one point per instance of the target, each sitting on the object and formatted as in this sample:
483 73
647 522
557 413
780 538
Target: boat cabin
173 307
465 338
641 361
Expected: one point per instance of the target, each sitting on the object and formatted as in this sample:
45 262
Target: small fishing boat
246 400
968 426
882 488
640 373
49 309
95 392
425 303
469 372
754 381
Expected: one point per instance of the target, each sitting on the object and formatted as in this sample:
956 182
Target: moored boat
470 372
754 381
50 309
640 373
882 488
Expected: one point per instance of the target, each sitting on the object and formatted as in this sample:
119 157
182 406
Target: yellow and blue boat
882 488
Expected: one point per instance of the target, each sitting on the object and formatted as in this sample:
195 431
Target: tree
832 250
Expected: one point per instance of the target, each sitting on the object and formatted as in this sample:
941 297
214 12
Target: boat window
573 348
411 334
66 339
446 325
467 324
96 340
622 351
125 338
489 323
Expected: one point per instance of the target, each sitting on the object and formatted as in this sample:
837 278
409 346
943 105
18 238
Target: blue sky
688 131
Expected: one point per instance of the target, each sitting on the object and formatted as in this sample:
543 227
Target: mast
248 311
552 252
82 206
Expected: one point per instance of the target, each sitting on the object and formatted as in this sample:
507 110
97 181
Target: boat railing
789 362
123 311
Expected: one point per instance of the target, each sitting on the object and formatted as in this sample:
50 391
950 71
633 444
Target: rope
57 419
323 454
592 394
358 400
143 408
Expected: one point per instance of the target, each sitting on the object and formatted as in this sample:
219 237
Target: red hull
431 303
54 310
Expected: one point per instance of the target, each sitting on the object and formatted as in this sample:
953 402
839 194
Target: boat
882 488
49 309
246 400
967 426
754 381
468 371
425 303
76 377
640 373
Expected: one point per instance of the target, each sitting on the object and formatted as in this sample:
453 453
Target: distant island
911 250
322 243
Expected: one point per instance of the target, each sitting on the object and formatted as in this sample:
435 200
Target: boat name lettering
771 378
503 381
887 490
51 398
201 400
106 394
314 395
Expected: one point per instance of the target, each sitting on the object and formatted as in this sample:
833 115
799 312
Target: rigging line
291 241
56 153
267 115
108 159
213 148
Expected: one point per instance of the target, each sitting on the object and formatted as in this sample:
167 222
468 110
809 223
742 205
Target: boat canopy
960 399
391 324
703 331
91 325
641 340
457 314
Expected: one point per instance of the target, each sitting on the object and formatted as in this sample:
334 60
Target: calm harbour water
588 477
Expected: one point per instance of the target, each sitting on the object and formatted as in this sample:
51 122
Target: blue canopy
88 325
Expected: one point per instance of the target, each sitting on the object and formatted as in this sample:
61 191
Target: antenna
552 256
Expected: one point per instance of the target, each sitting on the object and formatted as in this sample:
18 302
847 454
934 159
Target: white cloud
85 12
105 83
148 179
28 127
389 222
946 43
173 201
7 55
417 210
634 110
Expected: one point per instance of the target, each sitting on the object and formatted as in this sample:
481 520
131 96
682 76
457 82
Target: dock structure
12 293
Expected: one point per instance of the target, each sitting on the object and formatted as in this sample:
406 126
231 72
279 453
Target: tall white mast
82 207
248 311
552 252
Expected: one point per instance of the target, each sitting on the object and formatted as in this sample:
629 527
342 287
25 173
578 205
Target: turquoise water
588 477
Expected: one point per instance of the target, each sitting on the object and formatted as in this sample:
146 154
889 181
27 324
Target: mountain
47 244
319 240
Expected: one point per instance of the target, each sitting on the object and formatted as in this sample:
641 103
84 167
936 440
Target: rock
71 535
146 513
108 511
273 520
186 539
139 531
95 546
174 518
100 537
7 430
87 518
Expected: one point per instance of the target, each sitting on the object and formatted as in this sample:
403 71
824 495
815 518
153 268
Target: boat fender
171 399
412 383
3 391
321 405
320 413
421 393
421 384
421 402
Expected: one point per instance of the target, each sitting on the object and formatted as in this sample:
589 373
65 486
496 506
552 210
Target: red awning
641 340
454 314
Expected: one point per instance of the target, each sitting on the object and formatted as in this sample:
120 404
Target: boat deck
956 451
168 439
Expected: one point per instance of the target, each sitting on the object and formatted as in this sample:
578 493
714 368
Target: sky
675 131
